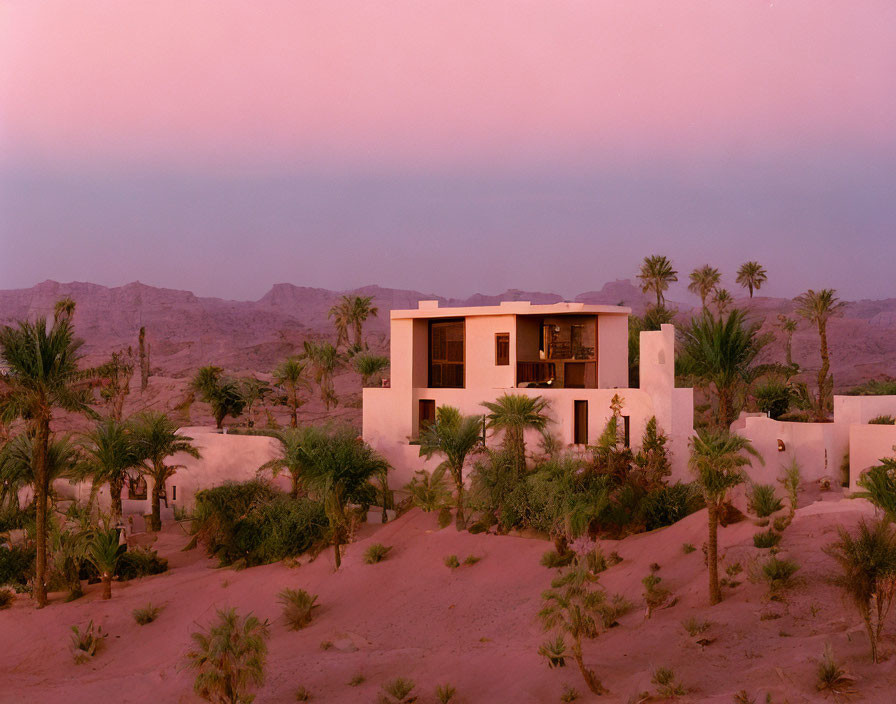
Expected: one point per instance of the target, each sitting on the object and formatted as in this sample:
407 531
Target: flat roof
431 309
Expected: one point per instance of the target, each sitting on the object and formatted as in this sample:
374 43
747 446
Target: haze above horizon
543 146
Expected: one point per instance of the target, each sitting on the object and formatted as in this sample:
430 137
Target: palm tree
722 300
369 365
361 310
720 353
703 281
42 375
326 360
253 391
868 573
342 314
338 471
229 658
103 552
155 440
656 274
17 465
717 461
117 374
751 276
514 414
454 436
290 377
222 394
788 326
109 454
818 307
295 444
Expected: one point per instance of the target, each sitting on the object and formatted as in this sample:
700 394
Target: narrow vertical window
502 349
173 493
427 415
580 422
626 429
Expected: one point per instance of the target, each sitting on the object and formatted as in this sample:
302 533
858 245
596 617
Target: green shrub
780 523
664 679
298 607
569 694
7 596
445 693
773 397
777 573
695 626
471 559
766 539
376 553
883 420
86 644
669 504
140 562
430 491
146 614
16 565
399 688
555 651
302 694
762 500
357 680
554 560
452 562
254 523
830 677
687 548
875 387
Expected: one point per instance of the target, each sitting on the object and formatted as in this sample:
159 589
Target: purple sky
224 146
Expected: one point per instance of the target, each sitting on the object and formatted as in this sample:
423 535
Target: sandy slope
474 627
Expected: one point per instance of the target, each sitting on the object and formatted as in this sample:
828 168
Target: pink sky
731 129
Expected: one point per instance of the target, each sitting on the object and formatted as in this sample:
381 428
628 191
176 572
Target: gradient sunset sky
453 147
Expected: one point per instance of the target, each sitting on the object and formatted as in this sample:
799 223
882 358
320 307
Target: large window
446 354
502 349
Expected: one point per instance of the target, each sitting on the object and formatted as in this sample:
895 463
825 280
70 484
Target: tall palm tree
362 308
290 377
63 461
155 440
252 391
223 395
369 365
295 444
720 353
656 274
109 455
514 414
326 360
116 375
454 436
722 299
342 314
339 470
717 460
42 375
703 280
788 326
751 275
818 307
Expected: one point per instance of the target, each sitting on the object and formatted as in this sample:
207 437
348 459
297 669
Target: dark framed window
580 422
137 487
502 349
626 431
173 493
446 354
426 415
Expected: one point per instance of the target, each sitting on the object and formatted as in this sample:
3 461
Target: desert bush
790 481
470 560
430 491
830 677
669 504
867 576
376 553
445 693
882 420
553 560
554 651
777 573
7 596
766 539
743 697
879 487
666 686
773 397
595 561
611 608
654 595
357 680
253 523
569 694
874 387
298 607
229 658
140 562
695 626
146 614
16 565
762 500
87 643
302 694
780 523
687 548
452 562
399 689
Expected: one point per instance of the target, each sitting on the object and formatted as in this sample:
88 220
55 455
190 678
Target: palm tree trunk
41 490
155 523
294 410
107 585
294 492
337 543
219 419
712 553
460 521
115 488
594 684
789 350
820 414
